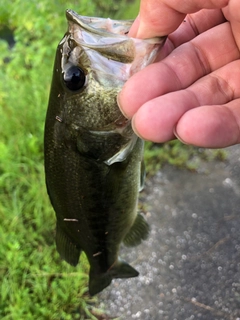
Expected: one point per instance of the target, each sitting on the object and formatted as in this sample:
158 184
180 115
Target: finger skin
232 14
191 27
210 126
157 119
195 24
162 17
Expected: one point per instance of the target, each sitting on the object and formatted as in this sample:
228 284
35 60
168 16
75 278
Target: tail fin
120 269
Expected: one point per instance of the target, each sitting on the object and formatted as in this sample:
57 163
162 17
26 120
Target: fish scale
93 159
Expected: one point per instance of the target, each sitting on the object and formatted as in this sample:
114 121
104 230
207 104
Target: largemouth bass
92 156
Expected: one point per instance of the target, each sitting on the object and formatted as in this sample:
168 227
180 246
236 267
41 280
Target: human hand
193 93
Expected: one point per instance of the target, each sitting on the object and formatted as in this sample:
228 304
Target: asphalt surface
190 265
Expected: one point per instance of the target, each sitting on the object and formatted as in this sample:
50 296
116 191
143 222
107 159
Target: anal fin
67 250
137 233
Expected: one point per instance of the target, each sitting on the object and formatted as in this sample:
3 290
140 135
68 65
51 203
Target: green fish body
93 159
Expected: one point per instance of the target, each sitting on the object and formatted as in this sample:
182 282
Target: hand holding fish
192 91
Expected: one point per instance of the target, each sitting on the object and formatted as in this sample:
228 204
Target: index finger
162 17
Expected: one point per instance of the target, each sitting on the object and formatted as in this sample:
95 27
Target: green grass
179 155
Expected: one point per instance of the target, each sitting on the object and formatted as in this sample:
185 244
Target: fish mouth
100 26
109 38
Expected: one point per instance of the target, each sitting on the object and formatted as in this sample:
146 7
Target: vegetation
177 154
35 283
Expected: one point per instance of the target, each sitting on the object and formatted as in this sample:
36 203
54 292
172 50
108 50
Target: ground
190 265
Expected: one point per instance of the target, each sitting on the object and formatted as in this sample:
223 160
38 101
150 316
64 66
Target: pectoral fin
124 152
137 233
67 250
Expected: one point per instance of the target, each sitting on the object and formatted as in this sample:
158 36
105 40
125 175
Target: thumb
162 17
155 19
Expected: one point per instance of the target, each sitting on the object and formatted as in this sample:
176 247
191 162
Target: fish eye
74 78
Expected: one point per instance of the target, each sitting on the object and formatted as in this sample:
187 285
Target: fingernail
141 30
119 105
134 128
134 28
178 137
144 31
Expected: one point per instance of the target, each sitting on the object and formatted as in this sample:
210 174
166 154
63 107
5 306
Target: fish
93 159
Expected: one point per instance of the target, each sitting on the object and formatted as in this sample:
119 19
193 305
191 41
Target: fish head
95 59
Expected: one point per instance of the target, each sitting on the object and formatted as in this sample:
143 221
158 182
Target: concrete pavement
190 265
